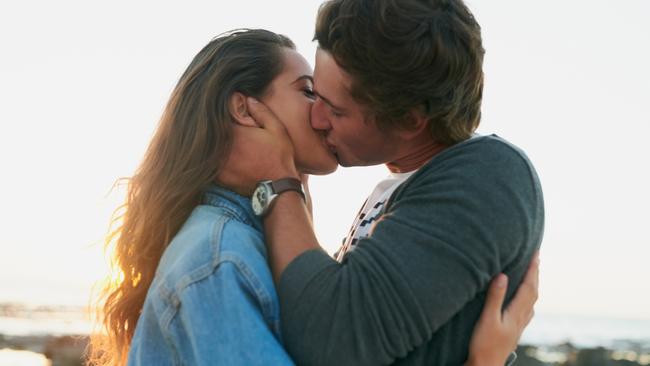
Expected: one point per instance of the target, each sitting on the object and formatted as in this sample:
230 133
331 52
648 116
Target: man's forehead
326 63
332 82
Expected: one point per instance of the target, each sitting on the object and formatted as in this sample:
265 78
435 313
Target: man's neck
415 158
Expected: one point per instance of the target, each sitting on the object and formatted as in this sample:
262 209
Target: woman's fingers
264 116
495 297
496 334
520 309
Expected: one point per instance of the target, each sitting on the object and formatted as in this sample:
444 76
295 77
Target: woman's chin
319 168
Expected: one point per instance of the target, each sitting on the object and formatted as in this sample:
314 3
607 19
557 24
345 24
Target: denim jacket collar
238 206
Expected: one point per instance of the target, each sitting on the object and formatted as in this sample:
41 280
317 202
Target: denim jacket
212 301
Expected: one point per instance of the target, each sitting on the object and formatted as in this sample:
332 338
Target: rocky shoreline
565 354
69 350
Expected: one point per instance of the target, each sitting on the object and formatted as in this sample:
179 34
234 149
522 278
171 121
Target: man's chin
341 162
347 163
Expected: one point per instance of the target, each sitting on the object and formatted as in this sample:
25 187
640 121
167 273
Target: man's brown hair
409 55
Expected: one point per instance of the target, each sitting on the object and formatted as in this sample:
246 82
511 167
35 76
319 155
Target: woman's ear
239 110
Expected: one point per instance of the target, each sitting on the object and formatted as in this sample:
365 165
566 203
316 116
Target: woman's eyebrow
304 77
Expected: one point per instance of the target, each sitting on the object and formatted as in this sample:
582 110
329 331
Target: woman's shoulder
214 257
209 239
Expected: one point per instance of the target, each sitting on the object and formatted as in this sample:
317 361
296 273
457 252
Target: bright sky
82 85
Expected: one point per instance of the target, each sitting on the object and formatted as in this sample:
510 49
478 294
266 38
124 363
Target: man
397 83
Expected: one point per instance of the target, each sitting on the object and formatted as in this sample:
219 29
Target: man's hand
497 333
258 153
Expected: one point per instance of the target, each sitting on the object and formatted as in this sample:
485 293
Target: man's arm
288 231
428 259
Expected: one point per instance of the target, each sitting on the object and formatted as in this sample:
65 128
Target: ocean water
585 332
21 320
544 329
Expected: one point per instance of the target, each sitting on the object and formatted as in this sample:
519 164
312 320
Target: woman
194 286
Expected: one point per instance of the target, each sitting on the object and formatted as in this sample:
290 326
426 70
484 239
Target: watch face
259 199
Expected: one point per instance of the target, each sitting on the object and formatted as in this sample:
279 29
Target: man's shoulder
481 148
479 156
481 168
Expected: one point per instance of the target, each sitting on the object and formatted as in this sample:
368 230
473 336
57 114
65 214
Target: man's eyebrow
329 102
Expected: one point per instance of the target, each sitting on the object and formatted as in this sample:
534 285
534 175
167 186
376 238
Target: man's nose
319 120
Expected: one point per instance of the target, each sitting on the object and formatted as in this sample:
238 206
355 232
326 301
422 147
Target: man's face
353 138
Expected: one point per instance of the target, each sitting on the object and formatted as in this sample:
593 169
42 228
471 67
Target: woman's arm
497 332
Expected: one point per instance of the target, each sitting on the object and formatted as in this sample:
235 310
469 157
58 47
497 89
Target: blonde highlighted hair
192 141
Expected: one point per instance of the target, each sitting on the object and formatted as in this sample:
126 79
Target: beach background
83 84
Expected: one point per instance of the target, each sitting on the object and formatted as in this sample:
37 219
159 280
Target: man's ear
239 110
416 124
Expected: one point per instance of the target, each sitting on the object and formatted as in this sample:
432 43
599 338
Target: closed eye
309 93
336 113
334 110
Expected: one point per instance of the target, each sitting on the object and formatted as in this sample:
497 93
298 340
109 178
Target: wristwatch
267 190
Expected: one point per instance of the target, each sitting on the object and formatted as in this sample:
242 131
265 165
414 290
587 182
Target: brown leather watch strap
288 184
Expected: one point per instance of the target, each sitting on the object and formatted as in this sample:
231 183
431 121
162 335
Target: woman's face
290 97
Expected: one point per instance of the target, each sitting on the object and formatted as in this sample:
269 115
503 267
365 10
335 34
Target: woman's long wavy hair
191 143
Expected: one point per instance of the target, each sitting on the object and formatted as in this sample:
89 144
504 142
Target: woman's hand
497 333
259 151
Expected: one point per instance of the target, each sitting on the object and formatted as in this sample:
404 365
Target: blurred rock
61 350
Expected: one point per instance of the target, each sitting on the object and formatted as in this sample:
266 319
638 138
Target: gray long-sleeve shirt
411 292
